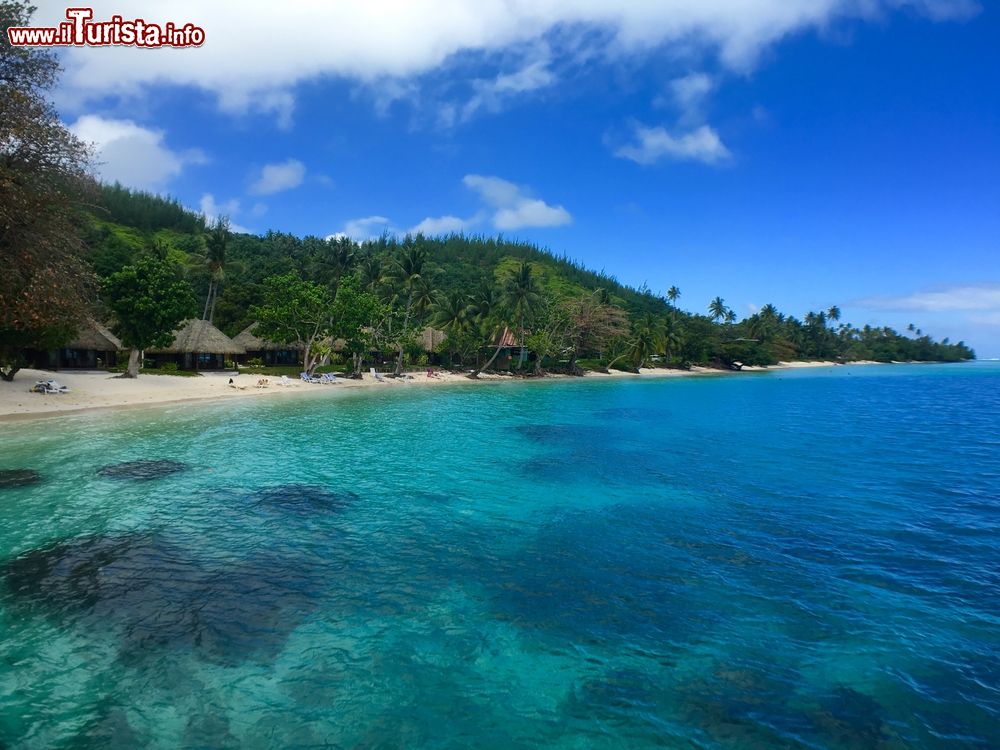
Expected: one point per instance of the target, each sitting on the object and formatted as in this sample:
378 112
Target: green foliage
149 300
468 286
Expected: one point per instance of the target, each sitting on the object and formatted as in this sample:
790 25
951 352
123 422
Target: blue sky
800 153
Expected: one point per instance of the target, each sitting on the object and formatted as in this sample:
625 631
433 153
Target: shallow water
803 559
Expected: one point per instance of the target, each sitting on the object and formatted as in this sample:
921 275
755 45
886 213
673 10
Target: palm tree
371 273
453 312
730 317
215 263
673 294
648 339
717 309
522 296
833 313
408 272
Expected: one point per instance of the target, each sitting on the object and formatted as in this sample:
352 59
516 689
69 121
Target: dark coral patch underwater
10 478
141 471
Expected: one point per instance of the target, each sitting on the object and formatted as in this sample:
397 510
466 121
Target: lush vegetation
71 248
377 296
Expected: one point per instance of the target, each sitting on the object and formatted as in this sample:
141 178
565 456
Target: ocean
792 559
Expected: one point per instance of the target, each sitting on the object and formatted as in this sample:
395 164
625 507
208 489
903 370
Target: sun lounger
49 386
329 377
309 378
376 375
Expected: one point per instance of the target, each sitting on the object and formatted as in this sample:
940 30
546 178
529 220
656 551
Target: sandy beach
101 390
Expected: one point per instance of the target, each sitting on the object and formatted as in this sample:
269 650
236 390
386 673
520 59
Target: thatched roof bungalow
94 347
197 345
269 352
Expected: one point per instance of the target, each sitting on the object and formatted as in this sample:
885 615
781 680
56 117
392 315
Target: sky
804 153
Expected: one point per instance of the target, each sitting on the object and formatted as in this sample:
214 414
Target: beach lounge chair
285 380
376 375
49 386
309 378
329 377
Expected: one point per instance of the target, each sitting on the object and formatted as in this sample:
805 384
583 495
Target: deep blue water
805 559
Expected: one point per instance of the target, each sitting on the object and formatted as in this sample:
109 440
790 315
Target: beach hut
269 352
509 349
93 348
430 341
197 345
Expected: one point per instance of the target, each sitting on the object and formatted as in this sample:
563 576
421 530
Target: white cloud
252 58
441 225
689 93
491 94
365 228
656 143
981 297
212 211
274 178
131 154
512 207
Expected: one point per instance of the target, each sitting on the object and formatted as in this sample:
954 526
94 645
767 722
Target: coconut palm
833 313
521 295
673 294
648 338
717 309
214 262
410 273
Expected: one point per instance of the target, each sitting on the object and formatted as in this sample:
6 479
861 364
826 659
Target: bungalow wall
188 360
70 359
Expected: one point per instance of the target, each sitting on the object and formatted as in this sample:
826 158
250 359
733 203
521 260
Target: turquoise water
805 559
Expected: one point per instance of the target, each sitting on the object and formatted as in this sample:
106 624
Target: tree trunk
7 373
406 325
524 351
208 299
215 296
358 362
475 373
134 358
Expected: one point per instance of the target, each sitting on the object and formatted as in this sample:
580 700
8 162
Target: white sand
92 390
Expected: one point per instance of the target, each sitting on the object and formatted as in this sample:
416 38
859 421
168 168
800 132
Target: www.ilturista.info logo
80 31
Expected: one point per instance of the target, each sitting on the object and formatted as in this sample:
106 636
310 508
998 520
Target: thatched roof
431 338
92 335
252 343
200 336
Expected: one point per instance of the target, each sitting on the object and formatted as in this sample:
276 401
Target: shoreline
93 392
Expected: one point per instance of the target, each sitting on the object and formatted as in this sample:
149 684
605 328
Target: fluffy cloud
400 39
365 228
441 225
131 154
212 210
689 93
274 178
653 144
512 207
506 207
981 298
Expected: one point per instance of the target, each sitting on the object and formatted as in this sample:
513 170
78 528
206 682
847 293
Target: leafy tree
590 325
45 285
294 311
522 298
358 316
410 272
149 299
